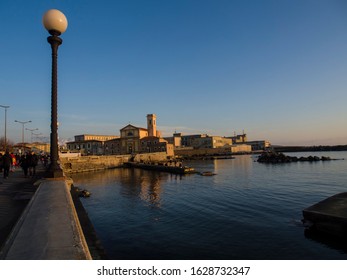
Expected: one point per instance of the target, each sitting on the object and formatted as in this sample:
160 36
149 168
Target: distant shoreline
310 148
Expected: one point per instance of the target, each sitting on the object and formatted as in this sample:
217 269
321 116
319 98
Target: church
135 140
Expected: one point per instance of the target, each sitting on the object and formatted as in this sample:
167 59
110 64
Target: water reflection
150 192
142 184
133 183
241 162
239 168
98 178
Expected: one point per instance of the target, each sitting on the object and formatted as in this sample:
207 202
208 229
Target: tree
2 143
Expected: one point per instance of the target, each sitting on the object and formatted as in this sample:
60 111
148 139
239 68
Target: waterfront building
113 147
211 142
179 140
85 137
130 139
259 145
240 138
220 151
206 145
37 147
187 140
256 145
152 144
240 148
134 140
87 147
89 144
198 141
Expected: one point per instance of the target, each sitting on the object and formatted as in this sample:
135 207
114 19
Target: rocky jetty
275 157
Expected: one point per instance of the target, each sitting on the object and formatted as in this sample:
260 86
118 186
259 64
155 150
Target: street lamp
56 23
37 135
31 130
5 107
23 123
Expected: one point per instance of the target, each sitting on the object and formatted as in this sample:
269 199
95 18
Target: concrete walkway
48 228
15 193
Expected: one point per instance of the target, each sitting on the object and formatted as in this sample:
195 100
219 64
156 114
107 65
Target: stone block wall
151 157
92 163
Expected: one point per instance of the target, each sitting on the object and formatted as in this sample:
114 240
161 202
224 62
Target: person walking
24 164
29 162
6 162
33 163
1 163
14 162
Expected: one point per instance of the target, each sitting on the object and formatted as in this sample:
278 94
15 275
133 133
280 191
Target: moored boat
207 173
162 167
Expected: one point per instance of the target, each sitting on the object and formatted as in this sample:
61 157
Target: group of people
27 162
6 162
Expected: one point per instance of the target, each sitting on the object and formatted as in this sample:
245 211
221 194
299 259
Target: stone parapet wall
233 149
203 151
92 163
151 157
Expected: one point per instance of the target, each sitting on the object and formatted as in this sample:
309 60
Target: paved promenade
15 193
51 217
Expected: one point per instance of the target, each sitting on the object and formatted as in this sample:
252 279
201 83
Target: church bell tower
152 124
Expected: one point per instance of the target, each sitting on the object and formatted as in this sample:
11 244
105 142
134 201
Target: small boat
207 173
162 167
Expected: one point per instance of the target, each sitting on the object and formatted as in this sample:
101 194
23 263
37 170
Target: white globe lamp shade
54 20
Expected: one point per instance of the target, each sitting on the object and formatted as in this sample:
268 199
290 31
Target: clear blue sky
276 69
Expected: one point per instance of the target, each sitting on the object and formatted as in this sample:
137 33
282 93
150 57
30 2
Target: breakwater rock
275 157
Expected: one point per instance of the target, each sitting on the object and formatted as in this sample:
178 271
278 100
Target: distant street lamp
37 135
56 23
32 131
5 107
23 123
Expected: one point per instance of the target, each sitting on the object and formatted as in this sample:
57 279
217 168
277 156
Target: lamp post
31 130
56 23
37 135
5 107
23 123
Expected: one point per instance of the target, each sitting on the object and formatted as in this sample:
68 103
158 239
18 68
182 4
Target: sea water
248 210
